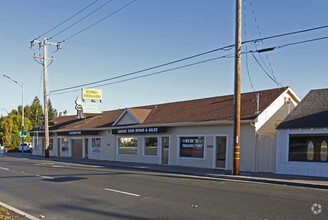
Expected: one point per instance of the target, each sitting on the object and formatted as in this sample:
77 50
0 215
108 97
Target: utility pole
44 44
237 97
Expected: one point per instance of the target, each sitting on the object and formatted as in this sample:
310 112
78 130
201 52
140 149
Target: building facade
194 133
303 137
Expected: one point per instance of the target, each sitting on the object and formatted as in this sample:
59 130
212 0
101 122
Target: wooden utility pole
237 97
44 44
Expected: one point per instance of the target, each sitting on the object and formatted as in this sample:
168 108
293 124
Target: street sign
23 134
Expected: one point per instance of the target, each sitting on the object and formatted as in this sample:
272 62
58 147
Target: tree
36 114
52 113
10 127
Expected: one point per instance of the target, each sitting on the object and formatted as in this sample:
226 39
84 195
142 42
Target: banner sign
94 94
91 107
140 130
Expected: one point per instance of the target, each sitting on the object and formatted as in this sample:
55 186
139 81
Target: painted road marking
126 193
4 168
60 166
45 177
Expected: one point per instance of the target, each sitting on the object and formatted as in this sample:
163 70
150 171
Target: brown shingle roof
200 110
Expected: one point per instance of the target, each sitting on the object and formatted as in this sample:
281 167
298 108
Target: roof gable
132 116
312 112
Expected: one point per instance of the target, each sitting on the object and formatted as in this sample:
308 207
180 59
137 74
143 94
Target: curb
19 211
216 176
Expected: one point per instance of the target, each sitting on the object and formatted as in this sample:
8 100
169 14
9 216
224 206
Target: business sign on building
140 130
93 94
92 107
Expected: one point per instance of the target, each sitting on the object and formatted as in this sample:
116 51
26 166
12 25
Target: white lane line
45 177
60 166
4 168
126 193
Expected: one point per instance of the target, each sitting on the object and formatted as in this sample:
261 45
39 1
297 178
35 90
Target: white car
27 147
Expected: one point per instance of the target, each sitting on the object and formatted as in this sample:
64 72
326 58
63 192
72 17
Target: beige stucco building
194 133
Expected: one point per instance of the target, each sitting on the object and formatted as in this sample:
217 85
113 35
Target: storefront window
128 145
323 151
51 144
310 151
151 146
65 144
96 145
192 147
310 148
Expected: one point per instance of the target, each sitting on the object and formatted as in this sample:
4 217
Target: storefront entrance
58 147
77 148
221 146
86 144
165 150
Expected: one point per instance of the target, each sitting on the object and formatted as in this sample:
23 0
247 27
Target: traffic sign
23 134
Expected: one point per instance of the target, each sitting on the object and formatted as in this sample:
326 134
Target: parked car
28 147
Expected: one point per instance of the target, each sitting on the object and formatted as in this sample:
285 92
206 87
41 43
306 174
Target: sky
148 33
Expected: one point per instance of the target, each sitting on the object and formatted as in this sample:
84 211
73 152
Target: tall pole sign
237 97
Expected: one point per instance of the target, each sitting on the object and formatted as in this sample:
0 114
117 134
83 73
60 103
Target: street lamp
21 85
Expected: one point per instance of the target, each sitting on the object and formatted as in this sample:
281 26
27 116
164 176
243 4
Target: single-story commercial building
303 137
188 133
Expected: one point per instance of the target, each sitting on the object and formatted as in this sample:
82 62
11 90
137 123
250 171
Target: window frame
118 146
191 136
93 148
315 137
144 147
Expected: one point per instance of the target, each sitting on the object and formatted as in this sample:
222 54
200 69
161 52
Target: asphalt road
61 190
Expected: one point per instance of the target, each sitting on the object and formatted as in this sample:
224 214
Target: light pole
21 85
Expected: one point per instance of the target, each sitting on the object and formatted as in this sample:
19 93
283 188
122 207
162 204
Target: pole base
46 153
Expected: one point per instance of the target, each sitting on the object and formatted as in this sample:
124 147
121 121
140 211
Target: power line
229 47
246 56
144 70
66 20
78 21
273 79
279 47
286 34
184 66
260 35
301 42
150 74
111 14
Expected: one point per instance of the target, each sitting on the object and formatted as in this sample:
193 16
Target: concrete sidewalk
292 180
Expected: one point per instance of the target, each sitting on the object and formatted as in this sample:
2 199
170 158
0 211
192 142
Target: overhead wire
265 71
65 20
286 34
260 35
78 21
111 14
194 56
246 56
56 92
146 69
150 74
